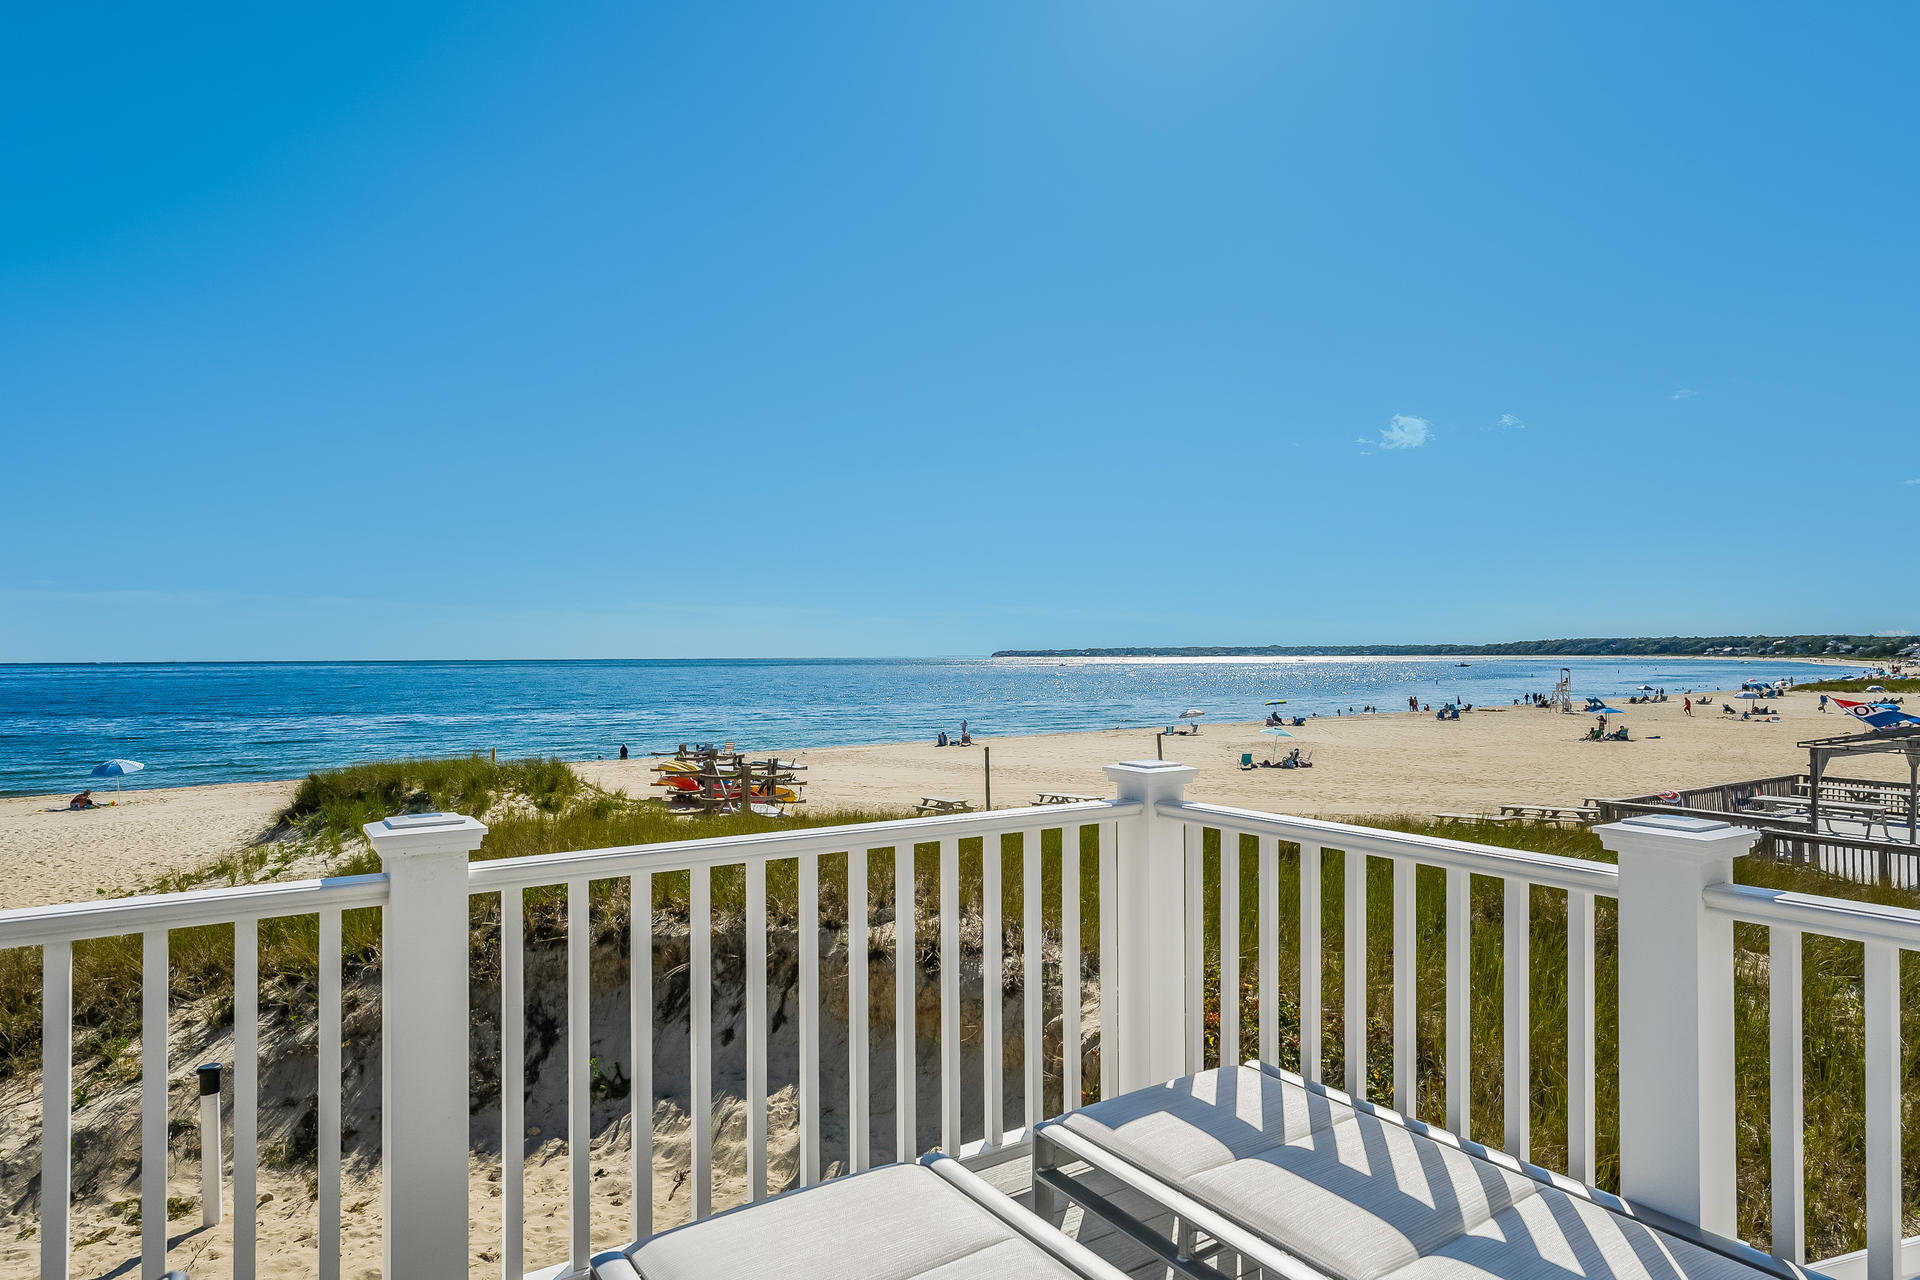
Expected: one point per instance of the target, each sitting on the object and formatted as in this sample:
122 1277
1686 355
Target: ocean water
229 722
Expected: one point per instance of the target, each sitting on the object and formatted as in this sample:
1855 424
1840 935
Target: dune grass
1858 686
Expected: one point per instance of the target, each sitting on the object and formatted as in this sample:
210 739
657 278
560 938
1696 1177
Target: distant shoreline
1808 648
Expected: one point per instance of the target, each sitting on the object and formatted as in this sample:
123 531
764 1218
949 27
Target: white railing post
423 1058
1676 1016
1150 945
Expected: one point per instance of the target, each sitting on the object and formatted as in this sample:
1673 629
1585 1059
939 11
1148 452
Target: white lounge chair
1306 1183
928 1221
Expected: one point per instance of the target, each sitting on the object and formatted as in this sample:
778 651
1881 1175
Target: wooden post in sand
986 766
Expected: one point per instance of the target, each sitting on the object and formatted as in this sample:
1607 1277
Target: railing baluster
1229 948
700 1002
992 991
1459 960
1787 1125
1582 1146
1882 1013
1070 1097
513 1084
56 1108
1354 871
1310 961
153 1102
808 937
906 1071
1516 962
1032 981
1269 950
756 1034
580 1080
640 1043
859 1049
1406 1021
246 1097
329 1095
1193 842
1109 875
951 1137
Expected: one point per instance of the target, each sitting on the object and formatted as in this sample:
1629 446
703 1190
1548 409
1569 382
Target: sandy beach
1400 762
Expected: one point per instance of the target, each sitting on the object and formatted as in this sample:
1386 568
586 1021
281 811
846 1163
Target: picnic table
1491 819
943 804
1553 812
1064 797
1857 810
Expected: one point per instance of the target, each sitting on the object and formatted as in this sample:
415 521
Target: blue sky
631 330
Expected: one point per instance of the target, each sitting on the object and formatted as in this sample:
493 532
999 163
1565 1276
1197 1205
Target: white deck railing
1677 905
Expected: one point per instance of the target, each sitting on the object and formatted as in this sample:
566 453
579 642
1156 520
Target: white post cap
1675 833
411 833
1150 779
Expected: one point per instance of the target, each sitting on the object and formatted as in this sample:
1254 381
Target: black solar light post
212 1154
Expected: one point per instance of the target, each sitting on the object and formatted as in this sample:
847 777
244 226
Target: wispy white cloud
1915 480
1404 432
1509 422
1684 393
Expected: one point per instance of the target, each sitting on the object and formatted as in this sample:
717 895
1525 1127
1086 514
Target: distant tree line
1863 647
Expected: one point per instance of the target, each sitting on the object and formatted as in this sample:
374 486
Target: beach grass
1890 684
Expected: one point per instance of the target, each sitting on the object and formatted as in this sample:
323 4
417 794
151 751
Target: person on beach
82 801
623 751
1686 705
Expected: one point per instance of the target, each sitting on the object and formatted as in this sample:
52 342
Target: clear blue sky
600 329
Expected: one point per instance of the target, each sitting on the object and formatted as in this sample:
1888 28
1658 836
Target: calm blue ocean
220 722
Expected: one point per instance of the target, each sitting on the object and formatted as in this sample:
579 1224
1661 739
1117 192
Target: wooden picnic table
1491 819
1830 810
1552 812
943 804
1064 797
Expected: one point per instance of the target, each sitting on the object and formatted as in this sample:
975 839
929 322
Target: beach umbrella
1646 688
116 769
1191 714
1750 694
1278 733
1278 702
1604 711
1872 688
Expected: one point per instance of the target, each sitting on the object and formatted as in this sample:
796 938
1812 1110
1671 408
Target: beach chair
1246 759
933 1219
1262 1169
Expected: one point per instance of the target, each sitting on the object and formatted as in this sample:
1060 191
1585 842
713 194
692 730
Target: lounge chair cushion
1354 1195
1363 1198
1552 1236
900 1222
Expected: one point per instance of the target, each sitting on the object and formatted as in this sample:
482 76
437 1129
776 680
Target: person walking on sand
1686 705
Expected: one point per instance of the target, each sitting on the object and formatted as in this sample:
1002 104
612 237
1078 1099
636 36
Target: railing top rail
1833 917
1574 874
110 917
713 851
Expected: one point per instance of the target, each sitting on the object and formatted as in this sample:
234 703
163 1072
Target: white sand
1382 764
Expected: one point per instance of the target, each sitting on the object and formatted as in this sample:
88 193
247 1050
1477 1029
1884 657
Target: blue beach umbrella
1278 733
116 769
1605 711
